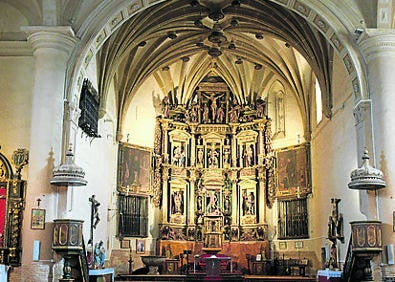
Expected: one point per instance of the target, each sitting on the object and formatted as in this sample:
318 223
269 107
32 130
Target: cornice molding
15 48
60 38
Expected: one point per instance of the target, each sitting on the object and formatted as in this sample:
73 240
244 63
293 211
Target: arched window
276 108
318 101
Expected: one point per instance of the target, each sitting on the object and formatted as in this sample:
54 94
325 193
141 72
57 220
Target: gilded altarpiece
213 169
12 204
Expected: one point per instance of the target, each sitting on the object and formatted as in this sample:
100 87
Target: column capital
362 110
377 43
60 38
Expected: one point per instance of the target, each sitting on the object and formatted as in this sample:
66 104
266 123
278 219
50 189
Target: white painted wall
16 84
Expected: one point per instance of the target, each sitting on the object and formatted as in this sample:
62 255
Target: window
293 219
318 101
133 216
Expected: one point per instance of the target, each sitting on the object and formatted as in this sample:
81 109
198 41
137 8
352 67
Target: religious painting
125 244
38 219
177 202
134 168
140 246
293 172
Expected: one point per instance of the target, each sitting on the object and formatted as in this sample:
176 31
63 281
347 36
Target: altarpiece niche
213 167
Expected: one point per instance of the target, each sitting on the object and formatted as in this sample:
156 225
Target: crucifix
38 202
94 214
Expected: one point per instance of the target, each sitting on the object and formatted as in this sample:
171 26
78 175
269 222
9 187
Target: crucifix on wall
94 214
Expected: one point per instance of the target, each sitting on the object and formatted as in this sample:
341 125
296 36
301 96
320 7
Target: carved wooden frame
300 184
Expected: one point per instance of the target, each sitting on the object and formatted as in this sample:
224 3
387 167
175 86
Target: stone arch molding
338 31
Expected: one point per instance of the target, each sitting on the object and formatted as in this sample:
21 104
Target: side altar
213 167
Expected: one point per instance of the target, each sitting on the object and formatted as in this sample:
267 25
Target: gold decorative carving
213 150
13 190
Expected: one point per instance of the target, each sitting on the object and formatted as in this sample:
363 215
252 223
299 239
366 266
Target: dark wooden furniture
260 267
170 266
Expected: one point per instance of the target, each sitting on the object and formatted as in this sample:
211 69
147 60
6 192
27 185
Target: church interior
197 140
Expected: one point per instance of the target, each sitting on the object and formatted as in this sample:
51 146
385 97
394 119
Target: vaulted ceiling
247 43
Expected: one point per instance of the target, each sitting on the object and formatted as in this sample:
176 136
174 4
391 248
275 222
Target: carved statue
335 224
212 207
95 211
260 107
165 107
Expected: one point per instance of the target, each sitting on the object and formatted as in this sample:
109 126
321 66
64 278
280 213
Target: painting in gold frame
134 168
38 219
140 246
293 171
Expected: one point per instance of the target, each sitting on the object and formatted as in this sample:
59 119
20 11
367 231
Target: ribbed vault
259 41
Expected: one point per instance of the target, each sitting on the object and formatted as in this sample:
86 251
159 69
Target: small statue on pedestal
335 232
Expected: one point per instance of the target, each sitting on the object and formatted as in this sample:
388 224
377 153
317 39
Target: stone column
52 47
363 126
378 48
